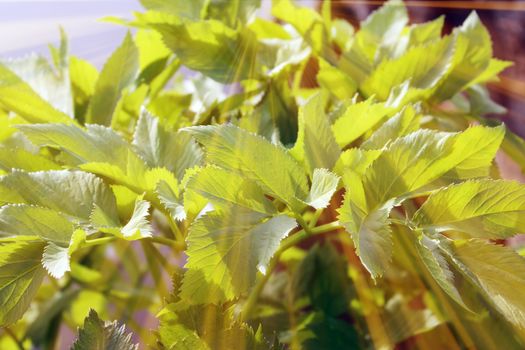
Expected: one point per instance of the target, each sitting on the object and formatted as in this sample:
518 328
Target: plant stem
289 242
155 239
98 241
175 228
179 246
331 226
315 218
302 222
14 337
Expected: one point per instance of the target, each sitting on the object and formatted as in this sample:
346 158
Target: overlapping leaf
500 272
252 156
21 273
408 165
225 251
99 335
482 209
118 73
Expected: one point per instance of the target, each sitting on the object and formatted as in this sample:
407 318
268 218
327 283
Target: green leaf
19 158
482 209
424 66
334 80
404 321
73 193
56 260
494 67
23 219
307 22
371 234
21 274
56 229
160 148
356 160
118 73
403 123
19 97
51 85
99 335
175 334
138 226
358 119
321 331
204 327
322 277
95 144
408 165
481 103
257 159
232 12
315 145
211 47
189 9
171 200
226 188
423 33
383 26
265 29
380 30
474 161
500 272
83 76
416 160
218 241
473 53
439 267
324 185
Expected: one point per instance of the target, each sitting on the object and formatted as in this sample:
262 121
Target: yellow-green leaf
118 73
483 208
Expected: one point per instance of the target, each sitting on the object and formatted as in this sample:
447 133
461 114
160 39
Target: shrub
259 185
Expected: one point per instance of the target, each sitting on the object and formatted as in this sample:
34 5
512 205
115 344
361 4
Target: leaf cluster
353 204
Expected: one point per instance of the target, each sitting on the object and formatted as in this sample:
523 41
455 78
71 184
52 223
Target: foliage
362 210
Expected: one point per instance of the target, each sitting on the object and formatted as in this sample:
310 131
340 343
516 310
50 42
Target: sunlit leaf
482 208
254 157
119 72
222 240
21 273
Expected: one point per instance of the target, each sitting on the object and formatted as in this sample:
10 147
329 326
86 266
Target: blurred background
29 25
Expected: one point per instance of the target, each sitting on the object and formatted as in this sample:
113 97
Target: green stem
179 246
98 241
315 217
302 222
155 239
289 242
332 226
15 338
175 228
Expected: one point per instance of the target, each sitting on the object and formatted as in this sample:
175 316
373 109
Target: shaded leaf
315 145
500 272
324 185
119 72
99 335
74 193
